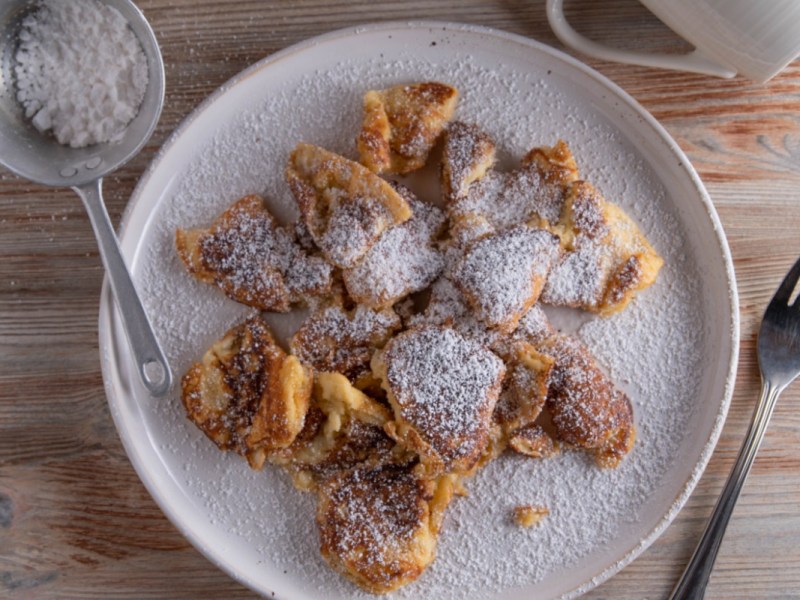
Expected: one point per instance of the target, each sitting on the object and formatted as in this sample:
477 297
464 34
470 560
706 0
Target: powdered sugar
333 339
402 261
578 277
262 522
507 199
80 71
445 386
503 274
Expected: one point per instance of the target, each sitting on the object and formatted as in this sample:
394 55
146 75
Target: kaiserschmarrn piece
442 388
502 275
246 394
534 441
344 205
252 259
586 409
528 515
608 259
469 152
402 123
403 260
534 193
343 341
344 428
379 523
524 388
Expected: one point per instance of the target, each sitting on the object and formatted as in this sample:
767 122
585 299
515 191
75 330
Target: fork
779 362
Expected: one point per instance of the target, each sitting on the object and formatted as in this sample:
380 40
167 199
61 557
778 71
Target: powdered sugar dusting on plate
481 554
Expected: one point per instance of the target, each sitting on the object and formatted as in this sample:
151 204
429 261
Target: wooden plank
75 521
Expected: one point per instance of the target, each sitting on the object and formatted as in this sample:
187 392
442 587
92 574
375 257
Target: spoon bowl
38 157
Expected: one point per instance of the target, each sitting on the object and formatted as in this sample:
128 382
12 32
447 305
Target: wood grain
75 521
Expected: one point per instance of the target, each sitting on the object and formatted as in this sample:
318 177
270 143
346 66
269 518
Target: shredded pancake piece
608 259
534 193
335 339
442 388
246 394
524 388
469 152
402 123
379 523
534 441
344 428
502 275
252 259
528 515
586 409
344 205
403 260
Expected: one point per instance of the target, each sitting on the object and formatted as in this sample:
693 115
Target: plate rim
108 319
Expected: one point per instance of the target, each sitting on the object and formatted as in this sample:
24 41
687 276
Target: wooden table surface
75 521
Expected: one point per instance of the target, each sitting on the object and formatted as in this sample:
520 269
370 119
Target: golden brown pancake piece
524 388
252 259
344 428
469 152
534 193
335 339
404 260
586 409
442 388
344 206
534 441
402 123
246 394
608 260
502 275
379 523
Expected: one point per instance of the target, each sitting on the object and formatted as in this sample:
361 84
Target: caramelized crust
246 395
251 259
344 206
401 125
379 523
586 409
343 341
607 260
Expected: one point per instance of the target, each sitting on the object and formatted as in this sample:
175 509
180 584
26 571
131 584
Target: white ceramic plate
674 350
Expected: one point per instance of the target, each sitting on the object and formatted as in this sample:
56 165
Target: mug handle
694 62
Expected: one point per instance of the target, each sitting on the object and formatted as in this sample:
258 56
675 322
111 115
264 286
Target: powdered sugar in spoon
41 159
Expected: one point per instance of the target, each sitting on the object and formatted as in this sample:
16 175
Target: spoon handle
150 361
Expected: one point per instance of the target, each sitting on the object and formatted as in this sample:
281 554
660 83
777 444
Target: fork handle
693 582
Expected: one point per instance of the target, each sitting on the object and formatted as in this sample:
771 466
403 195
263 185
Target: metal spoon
41 159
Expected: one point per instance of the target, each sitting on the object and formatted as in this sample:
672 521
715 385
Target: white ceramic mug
754 38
